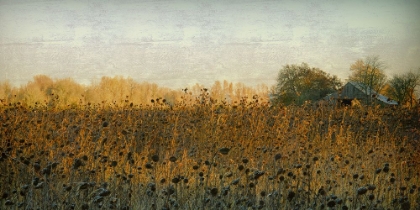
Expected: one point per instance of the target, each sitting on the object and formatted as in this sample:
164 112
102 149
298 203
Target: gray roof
368 90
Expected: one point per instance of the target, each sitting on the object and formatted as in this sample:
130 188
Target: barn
355 90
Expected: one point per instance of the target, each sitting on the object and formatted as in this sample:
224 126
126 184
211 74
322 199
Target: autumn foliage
117 91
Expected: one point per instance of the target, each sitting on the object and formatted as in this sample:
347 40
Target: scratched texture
178 43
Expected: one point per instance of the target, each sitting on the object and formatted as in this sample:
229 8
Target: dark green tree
299 83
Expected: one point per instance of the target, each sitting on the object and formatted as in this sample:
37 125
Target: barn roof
368 90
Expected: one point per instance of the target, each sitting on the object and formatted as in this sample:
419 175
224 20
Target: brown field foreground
209 157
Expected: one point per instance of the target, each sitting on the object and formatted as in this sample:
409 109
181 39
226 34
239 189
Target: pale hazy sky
178 43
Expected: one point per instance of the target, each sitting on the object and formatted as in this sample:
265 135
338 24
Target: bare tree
403 87
217 91
369 74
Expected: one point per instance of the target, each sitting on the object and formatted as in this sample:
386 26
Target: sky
182 42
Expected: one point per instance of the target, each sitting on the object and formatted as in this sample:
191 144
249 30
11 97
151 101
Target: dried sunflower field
211 156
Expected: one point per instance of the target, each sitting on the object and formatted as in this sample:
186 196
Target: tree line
119 91
299 83
296 84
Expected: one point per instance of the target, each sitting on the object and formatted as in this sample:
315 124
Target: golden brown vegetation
111 91
209 156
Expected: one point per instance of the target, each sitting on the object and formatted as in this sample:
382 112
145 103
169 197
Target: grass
209 156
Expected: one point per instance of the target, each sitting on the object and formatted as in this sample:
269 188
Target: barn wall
350 91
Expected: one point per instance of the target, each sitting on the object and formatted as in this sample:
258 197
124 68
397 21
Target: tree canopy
369 73
299 83
402 87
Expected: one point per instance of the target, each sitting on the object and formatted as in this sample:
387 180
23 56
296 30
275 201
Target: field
212 156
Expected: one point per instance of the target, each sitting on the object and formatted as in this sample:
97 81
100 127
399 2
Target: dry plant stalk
210 156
